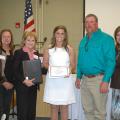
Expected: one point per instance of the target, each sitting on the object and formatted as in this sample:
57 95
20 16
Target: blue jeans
5 101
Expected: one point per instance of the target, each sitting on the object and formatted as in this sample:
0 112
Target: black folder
32 69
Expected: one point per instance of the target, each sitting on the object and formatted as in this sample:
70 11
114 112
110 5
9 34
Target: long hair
115 34
11 43
53 40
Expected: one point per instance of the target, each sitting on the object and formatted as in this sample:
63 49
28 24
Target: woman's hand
7 85
28 82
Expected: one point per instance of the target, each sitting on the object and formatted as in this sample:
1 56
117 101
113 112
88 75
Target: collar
95 33
30 53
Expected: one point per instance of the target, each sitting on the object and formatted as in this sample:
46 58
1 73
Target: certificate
58 71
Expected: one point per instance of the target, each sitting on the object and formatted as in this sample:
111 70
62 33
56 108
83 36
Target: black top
8 72
19 57
115 80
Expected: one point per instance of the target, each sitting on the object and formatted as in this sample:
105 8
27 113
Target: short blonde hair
25 35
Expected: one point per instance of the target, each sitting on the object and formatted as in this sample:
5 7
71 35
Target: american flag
28 17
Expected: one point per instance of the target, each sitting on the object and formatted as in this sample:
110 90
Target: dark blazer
26 96
8 68
115 80
19 57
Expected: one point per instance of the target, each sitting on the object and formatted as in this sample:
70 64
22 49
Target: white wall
107 12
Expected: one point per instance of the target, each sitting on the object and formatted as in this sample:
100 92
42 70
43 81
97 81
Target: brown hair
92 15
11 43
115 34
53 40
25 35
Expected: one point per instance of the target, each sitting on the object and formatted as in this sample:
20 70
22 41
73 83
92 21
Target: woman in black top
115 81
26 90
6 73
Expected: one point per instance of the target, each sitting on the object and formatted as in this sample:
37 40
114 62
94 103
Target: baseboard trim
42 118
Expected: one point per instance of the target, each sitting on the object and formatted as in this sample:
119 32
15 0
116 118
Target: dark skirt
115 111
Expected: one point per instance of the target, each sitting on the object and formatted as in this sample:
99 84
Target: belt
92 76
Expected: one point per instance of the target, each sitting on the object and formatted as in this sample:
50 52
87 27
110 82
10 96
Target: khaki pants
94 102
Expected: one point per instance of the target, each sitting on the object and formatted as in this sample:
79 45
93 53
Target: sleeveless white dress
59 91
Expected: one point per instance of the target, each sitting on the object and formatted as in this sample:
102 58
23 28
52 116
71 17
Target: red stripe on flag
28 16
29 24
33 30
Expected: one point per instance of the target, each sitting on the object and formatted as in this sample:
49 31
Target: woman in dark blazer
26 90
115 81
6 74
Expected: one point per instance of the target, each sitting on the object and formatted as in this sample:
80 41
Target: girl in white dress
59 87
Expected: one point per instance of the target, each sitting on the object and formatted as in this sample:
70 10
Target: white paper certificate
58 71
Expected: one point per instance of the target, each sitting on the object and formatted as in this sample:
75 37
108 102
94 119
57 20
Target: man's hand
104 87
77 83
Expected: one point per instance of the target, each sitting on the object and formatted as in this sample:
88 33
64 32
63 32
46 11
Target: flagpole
42 19
36 18
37 24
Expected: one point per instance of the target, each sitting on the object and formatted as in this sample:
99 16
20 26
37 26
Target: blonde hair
25 35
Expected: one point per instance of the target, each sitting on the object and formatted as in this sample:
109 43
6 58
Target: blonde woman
26 90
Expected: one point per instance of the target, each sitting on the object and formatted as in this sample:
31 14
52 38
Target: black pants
26 102
5 101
